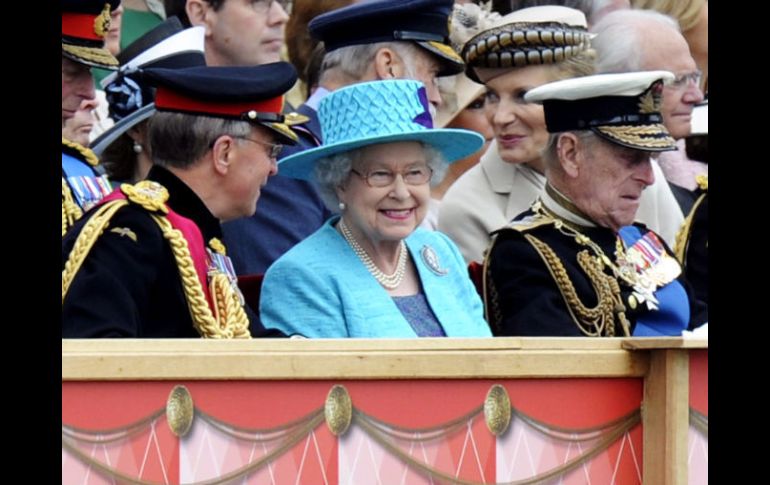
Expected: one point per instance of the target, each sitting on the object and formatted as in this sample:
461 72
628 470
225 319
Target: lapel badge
430 258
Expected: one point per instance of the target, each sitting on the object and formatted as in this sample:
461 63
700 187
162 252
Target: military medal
219 262
430 258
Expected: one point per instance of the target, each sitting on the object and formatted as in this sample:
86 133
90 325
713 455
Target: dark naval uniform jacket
692 244
289 210
536 285
129 284
83 185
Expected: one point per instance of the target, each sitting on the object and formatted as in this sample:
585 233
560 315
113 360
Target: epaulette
703 182
79 151
530 222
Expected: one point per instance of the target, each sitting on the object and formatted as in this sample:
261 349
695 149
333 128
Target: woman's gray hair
618 42
179 139
332 172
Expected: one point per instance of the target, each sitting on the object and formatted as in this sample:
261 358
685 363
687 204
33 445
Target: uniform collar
563 208
186 203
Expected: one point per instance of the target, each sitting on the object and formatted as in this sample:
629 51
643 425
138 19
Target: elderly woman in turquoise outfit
370 271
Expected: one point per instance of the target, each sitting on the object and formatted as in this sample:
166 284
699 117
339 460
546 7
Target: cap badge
102 21
430 258
649 102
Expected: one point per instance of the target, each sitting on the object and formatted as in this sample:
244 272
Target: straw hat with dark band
530 36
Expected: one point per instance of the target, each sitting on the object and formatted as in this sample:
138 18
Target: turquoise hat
378 112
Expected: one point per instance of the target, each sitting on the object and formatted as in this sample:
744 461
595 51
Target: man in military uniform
405 39
692 241
84 25
149 261
576 264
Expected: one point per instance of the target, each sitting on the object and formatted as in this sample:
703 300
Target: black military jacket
129 285
523 298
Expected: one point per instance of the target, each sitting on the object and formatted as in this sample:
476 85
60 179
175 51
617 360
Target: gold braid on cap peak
641 136
522 44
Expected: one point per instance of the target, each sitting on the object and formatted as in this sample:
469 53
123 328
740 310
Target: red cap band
80 25
165 99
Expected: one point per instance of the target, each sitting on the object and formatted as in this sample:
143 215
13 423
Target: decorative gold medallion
148 194
293 118
102 21
497 410
338 410
179 411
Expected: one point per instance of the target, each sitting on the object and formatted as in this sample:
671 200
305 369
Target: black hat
621 108
248 93
130 99
425 22
84 24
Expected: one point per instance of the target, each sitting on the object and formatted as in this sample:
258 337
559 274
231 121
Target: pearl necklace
391 281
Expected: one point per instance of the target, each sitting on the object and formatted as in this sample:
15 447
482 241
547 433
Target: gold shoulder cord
492 311
230 320
683 235
70 212
88 155
592 322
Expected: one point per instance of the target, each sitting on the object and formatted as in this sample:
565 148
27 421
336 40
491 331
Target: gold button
632 302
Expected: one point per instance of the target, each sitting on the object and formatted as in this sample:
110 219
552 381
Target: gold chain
389 281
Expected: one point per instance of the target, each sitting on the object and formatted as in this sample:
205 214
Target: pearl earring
137 147
342 206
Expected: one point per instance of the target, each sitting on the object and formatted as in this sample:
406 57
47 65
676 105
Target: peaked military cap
621 108
425 22
547 34
248 93
84 25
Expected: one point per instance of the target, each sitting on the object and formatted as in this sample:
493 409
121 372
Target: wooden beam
665 418
349 359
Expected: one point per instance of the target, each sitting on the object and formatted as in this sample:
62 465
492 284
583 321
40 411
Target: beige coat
491 194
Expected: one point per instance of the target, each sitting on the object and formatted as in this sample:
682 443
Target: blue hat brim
453 144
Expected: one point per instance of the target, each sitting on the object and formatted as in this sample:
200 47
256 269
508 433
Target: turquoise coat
320 288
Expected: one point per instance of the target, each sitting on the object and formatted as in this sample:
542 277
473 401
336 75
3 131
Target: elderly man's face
245 33
77 86
610 182
667 50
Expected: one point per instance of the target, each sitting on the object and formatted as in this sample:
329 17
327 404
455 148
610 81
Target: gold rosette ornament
338 410
497 410
179 411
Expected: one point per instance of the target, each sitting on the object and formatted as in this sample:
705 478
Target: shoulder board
529 222
703 182
79 151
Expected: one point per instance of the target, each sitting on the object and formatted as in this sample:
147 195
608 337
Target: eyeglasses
265 5
274 148
382 178
683 80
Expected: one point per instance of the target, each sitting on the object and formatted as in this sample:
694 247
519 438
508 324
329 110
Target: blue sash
673 312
